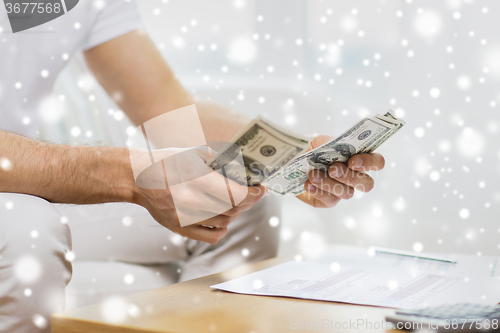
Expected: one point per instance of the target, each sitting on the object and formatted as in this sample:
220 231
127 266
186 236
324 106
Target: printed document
377 279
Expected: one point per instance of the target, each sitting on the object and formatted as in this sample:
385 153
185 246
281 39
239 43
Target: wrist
120 181
128 190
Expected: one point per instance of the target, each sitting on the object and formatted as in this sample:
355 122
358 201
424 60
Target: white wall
323 65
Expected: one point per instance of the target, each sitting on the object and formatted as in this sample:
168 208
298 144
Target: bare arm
65 174
92 175
135 74
132 71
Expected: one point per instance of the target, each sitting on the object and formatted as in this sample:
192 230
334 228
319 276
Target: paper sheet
386 280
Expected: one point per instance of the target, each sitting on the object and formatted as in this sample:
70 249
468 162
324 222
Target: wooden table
193 307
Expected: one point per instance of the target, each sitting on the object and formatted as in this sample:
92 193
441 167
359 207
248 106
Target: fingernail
335 172
358 162
311 187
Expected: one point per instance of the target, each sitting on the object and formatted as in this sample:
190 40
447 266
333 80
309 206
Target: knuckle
311 189
338 170
353 177
350 179
316 173
317 193
325 184
338 190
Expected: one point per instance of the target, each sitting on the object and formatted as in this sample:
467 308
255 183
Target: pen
413 254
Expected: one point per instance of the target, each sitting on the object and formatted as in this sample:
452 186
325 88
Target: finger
191 201
322 199
367 162
251 196
219 186
203 234
219 221
332 186
319 140
237 210
358 180
188 173
255 194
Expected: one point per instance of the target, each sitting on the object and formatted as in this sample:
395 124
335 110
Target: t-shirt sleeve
115 19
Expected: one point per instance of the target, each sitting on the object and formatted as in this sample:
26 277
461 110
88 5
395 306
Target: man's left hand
325 190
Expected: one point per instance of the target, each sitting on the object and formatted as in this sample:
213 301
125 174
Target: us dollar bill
365 136
261 149
263 153
390 118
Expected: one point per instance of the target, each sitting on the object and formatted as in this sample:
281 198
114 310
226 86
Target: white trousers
113 250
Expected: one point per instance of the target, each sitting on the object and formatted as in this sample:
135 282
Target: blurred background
316 67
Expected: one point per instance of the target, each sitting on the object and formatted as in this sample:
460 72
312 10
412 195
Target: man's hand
94 175
326 190
134 73
186 196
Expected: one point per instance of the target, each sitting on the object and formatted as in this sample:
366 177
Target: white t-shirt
31 60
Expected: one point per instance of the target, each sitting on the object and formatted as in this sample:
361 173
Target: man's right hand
190 196
94 175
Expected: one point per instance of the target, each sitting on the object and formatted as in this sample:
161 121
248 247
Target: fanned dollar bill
266 149
359 138
389 117
272 155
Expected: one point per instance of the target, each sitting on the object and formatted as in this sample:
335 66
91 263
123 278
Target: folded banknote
280 160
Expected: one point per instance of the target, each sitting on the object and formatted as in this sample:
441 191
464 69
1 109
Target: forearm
219 123
134 73
65 174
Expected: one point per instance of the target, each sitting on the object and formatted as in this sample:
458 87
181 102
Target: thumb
206 153
319 140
